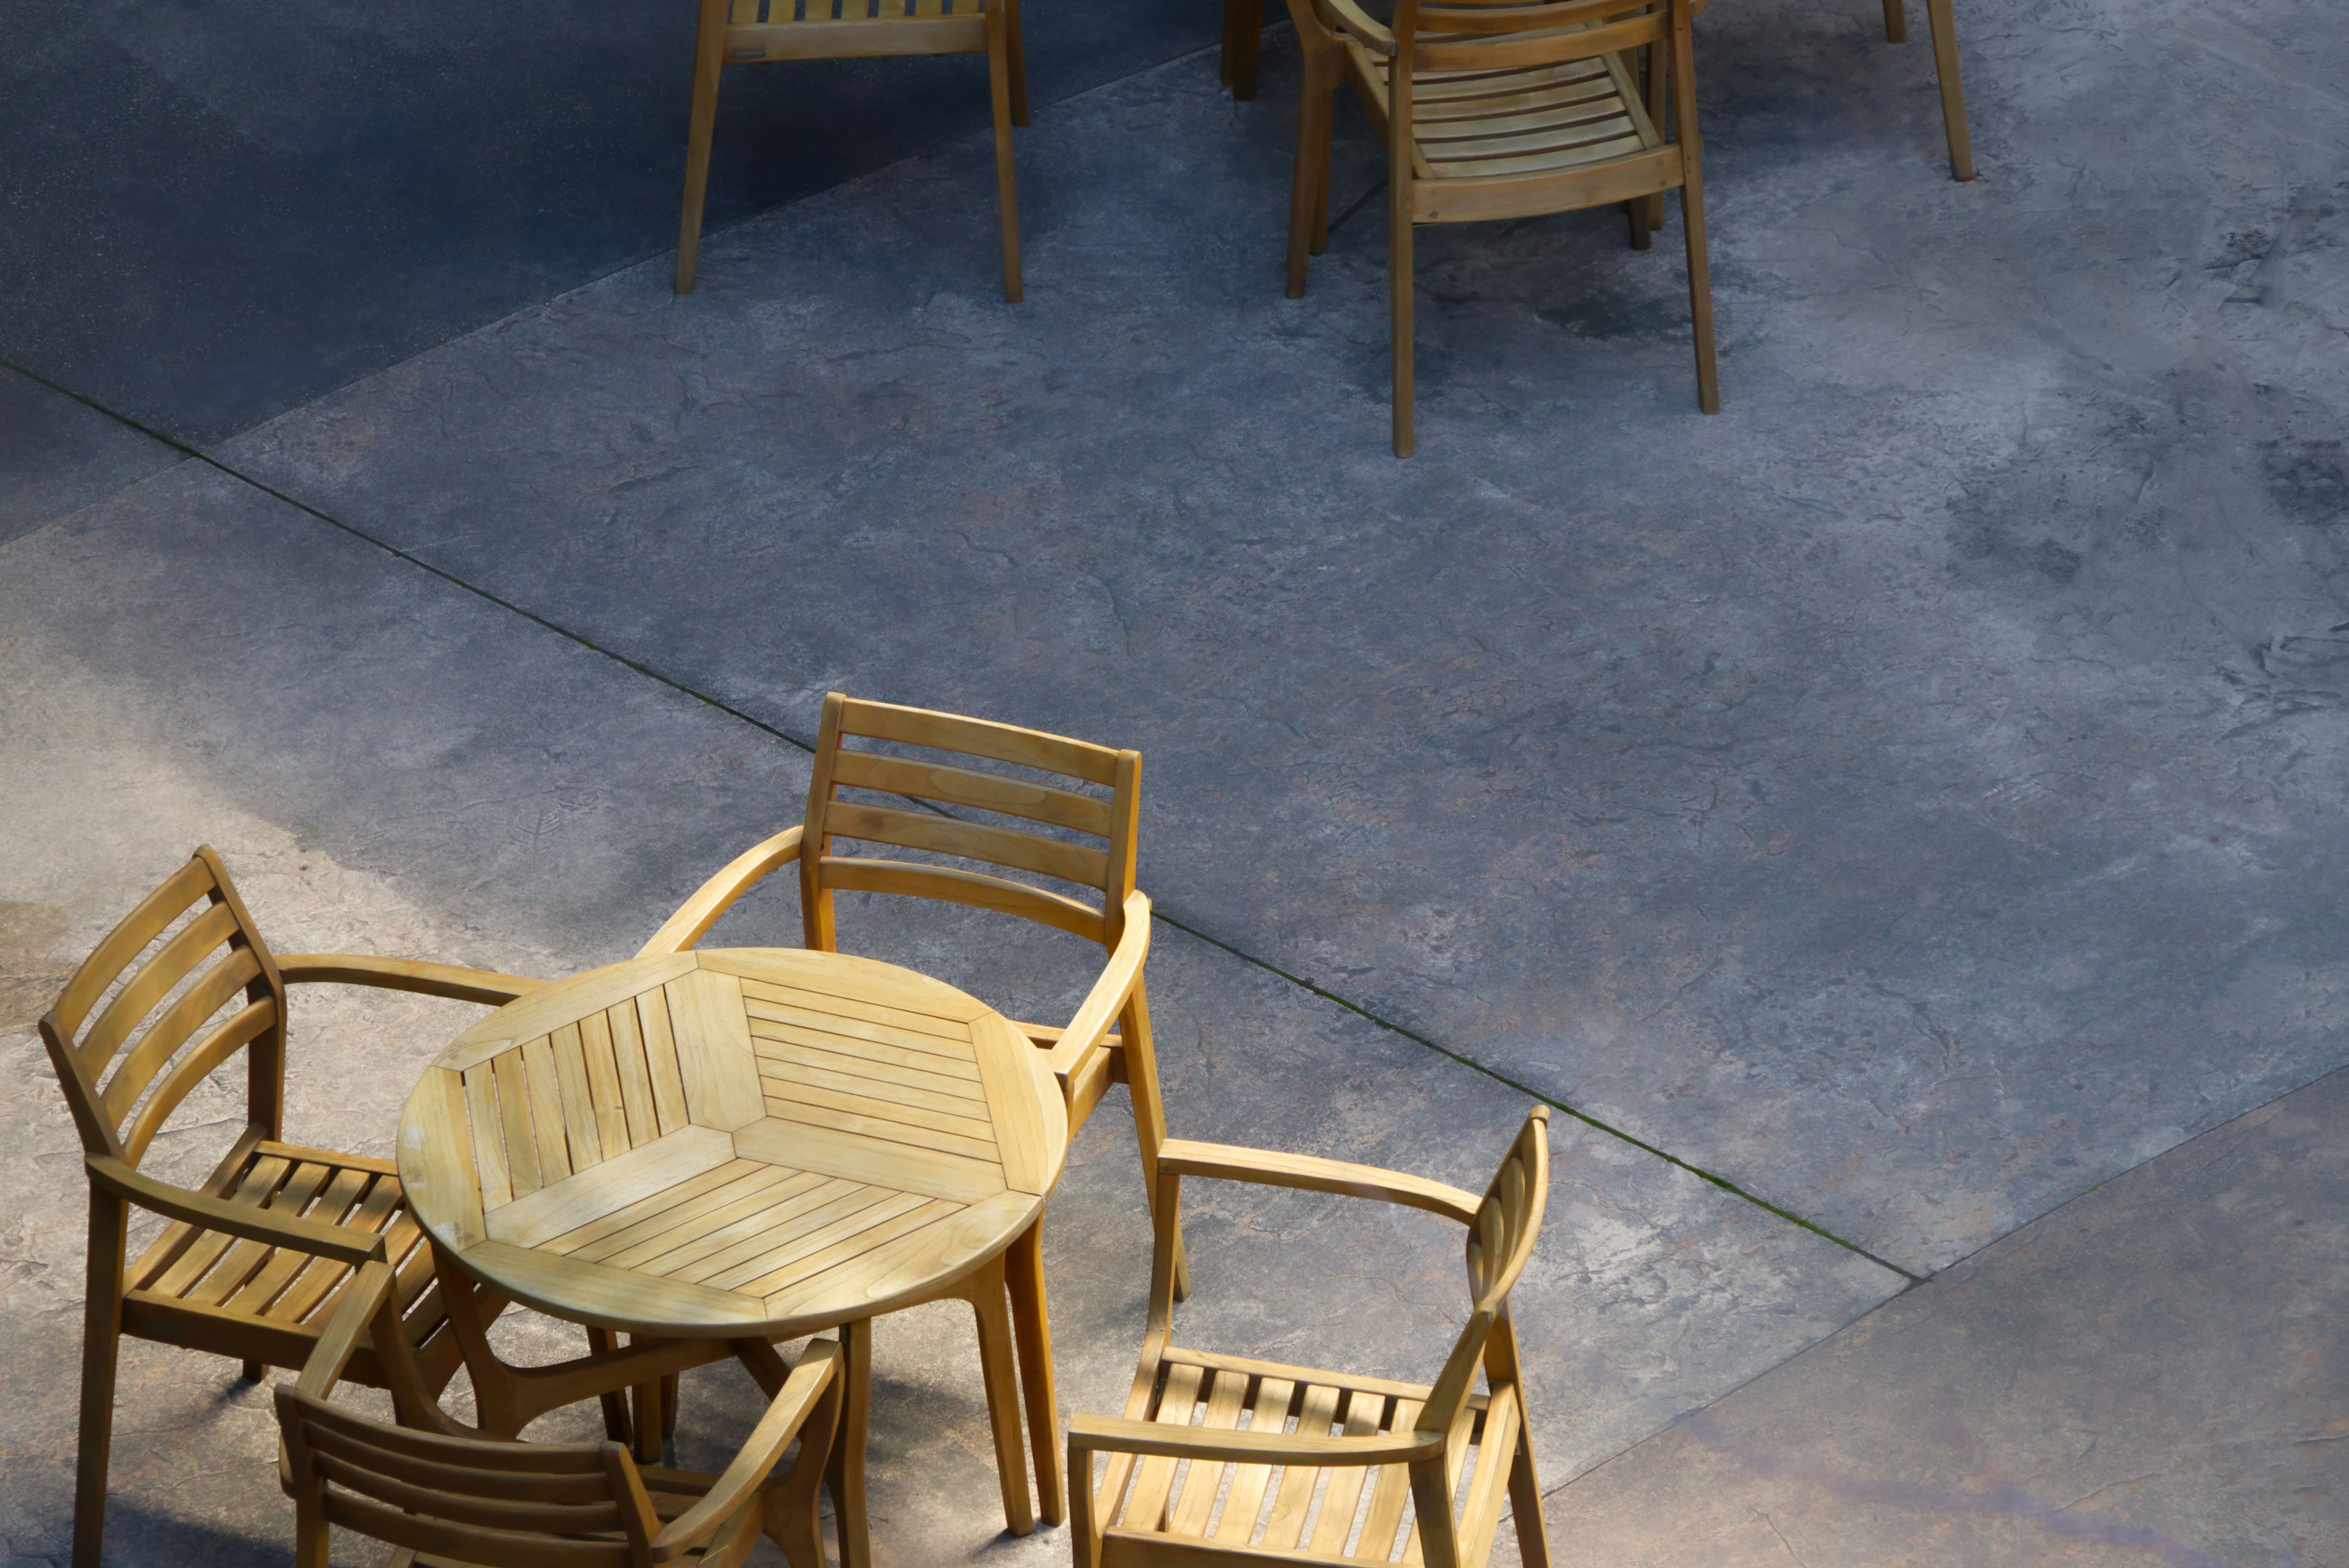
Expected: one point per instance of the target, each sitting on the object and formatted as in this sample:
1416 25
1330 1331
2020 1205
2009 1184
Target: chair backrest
1507 1223
137 1059
464 1498
1071 857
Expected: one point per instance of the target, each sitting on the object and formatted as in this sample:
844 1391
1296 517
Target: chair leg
1525 1503
614 1404
1635 212
999 81
1149 1110
844 1471
1660 105
1308 188
1243 45
102 1342
1019 63
1399 290
1708 379
1031 1328
709 54
1953 90
1896 23
996 1362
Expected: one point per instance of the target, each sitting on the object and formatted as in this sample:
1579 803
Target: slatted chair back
440 1488
432 1486
1092 852
126 1066
1507 1223
513 1505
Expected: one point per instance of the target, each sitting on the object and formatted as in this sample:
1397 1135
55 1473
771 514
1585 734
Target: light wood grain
612 1185
1456 1460
713 1050
939 1174
563 1002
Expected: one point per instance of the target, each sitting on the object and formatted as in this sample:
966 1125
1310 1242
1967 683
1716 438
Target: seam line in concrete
650 674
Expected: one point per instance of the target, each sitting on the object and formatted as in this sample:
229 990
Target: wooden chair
741 32
1397 1445
443 1495
1084 1056
1496 108
252 1260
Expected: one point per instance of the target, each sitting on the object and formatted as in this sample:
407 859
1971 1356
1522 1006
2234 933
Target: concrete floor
1908 799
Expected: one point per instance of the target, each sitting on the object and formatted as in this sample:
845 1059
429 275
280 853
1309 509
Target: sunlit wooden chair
1497 108
1096 854
744 32
254 1259
1374 1472
440 1494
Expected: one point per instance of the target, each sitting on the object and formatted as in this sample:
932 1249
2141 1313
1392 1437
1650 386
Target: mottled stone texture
2151 1374
56 454
1913 795
391 764
218 211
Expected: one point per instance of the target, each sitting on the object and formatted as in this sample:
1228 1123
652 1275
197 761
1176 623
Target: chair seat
209 1291
1362 1514
843 29
1530 120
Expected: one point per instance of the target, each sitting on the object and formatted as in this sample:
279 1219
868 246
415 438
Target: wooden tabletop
732 1142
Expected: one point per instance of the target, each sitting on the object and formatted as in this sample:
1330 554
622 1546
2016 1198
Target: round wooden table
716 1149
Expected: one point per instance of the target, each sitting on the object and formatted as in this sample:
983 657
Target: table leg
844 1475
650 1408
615 1405
1032 1326
988 1298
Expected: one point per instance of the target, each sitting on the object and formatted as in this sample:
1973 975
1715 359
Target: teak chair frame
254 1259
430 1485
1085 1055
1415 1439
1500 90
726 35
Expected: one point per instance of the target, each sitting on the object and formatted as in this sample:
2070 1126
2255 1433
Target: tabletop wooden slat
732 1141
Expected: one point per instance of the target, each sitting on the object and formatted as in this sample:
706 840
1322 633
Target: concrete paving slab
218 211
1913 794
2152 1375
391 764
56 454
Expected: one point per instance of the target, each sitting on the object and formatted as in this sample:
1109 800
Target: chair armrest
420 975
339 1242
1268 1168
1108 997
1353 17
347 1329
743 1479
717 896
1124 1434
